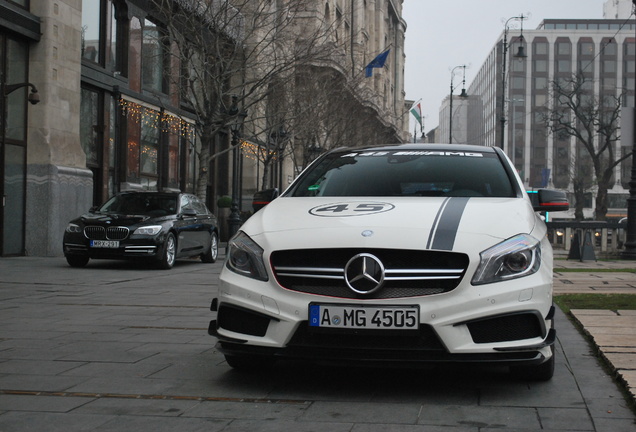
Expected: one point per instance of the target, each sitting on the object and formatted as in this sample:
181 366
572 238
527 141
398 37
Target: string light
256 152
149 117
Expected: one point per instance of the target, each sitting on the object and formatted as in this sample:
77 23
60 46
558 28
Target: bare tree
229 55
594 122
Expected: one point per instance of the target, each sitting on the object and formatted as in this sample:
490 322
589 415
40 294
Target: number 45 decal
351 209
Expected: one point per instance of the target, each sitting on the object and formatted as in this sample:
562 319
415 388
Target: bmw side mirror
189 213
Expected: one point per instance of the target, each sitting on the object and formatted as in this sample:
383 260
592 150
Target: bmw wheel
213 252
77 261
169 252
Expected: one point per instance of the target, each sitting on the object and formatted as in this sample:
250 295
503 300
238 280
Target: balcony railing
606 238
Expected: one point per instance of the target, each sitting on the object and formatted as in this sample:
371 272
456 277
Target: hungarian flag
417 113
377 62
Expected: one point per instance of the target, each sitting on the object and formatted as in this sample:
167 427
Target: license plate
105 243
364 317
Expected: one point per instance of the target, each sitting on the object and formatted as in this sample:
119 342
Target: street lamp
236 124
462 95
520 54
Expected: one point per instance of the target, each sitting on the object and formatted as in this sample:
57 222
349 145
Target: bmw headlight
516 257
73 228
245 257
148 230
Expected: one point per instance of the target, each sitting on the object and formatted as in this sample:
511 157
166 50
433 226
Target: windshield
141 204
407 173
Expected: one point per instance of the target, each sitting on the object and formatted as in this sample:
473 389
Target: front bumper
131 248
509 322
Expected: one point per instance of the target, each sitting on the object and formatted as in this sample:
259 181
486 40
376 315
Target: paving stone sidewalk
613 332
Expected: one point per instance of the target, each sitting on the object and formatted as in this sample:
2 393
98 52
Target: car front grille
407 273
102 233
425 339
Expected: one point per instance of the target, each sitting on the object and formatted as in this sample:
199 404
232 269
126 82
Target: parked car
402 254
155 226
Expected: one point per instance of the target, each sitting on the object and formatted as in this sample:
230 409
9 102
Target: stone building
108 119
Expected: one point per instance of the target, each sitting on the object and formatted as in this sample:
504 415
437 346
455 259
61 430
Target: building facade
109 119
512 102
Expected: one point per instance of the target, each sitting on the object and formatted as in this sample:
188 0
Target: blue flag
377 62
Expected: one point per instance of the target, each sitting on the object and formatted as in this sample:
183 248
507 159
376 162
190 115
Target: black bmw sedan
155 226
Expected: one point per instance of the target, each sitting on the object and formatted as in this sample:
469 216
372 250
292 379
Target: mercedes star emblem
364 274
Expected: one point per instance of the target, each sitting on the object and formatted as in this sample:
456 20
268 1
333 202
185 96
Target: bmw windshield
141 204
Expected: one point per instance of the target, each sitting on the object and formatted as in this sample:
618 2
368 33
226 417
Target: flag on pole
377 62
417 113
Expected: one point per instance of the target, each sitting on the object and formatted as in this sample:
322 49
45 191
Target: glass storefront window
153 57
91 30
89 109
173 160
111 146
13 229
132 158
149 147
134 54
16 101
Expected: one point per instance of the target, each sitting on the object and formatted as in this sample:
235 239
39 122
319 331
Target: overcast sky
443 34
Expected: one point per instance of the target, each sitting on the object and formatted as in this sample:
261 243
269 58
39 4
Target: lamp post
462 95
519 54
234 220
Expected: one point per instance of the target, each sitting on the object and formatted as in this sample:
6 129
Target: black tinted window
407 173
141 204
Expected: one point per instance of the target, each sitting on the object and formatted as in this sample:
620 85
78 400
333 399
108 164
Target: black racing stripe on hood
444 230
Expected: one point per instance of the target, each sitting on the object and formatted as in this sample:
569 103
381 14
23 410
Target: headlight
516 257
148 230
245 257
73 228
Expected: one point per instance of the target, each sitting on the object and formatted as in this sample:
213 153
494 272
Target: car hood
440 223
113 219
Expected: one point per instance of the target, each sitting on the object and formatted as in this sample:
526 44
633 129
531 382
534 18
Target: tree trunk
266 170
204 165
579 201
601 203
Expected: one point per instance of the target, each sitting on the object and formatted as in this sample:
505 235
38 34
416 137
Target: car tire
213 251
541 372
77 261
248 363
169 252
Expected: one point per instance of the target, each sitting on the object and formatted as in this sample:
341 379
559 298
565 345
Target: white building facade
557 50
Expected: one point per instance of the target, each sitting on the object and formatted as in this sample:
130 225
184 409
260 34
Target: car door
204 224
187 227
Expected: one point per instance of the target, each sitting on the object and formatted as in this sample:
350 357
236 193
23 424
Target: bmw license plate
364 317
105 243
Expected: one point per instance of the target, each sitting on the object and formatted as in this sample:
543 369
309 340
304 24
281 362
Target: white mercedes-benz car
403 254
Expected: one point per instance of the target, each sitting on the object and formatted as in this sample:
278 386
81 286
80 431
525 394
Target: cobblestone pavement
116 347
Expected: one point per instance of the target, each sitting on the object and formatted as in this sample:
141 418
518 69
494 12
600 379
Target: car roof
145 192
420 147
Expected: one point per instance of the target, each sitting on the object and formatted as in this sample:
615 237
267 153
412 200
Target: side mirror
189 212
264 197
549 200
